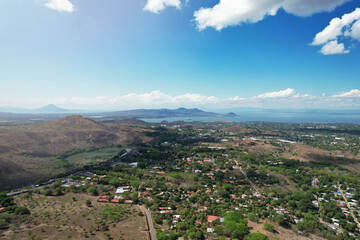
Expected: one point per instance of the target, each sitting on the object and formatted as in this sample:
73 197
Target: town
210 184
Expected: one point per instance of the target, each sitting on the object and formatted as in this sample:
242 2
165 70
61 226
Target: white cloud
309 7
279 94
288 98
60 5
333 47
355 31
346 26
355 93
151 99
156 6
233 12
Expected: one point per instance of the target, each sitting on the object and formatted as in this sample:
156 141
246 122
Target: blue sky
121 54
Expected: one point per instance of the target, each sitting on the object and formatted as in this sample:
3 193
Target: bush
22 211
3 225
256 236
269 227
48 192
92 190
252 216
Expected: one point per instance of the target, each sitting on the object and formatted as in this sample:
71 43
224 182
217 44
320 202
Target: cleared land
68 217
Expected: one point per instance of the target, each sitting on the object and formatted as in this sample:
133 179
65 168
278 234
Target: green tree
92 190
269 227
88 203
256 236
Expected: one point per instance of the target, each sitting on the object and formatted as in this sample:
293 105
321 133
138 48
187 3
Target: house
316 203
165 211
280 210
211 219
332 227
209 230
103 200
2 209
121 190
164 208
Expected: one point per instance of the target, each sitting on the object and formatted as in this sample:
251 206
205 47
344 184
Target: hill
28 152
125 121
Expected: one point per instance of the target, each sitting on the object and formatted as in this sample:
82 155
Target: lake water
271 117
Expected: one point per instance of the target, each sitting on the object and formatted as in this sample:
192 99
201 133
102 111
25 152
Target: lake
266 116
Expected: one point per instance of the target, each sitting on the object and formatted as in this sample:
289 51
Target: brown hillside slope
27 152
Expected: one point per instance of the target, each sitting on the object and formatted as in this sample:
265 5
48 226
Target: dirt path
348 205
149 222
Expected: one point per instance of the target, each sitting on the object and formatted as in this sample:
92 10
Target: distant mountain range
51 109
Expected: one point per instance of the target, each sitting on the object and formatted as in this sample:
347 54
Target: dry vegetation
26 152
68 217
280 233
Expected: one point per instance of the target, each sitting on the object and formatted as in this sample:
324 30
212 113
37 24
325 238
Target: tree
88 203
269 227
161 235
256 236
198 235
115 182
280 219
93 191
22 211
252 216
235 223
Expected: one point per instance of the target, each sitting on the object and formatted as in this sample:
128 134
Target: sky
209 54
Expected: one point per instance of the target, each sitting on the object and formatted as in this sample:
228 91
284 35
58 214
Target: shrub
269 227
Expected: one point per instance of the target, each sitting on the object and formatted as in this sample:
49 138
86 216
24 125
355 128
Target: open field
68 217
280 233
93 156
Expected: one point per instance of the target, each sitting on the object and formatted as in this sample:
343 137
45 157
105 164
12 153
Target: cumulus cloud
346 26
279 94
333 47
156 6
355 93
157 99
233 12
151 99
60 5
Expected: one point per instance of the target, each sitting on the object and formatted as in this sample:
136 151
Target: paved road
27 190
348 205
247 179
149 222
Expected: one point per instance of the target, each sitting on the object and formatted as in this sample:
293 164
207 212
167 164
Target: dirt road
348 205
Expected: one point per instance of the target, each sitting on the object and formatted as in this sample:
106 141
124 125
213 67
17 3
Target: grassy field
68 217
92 157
